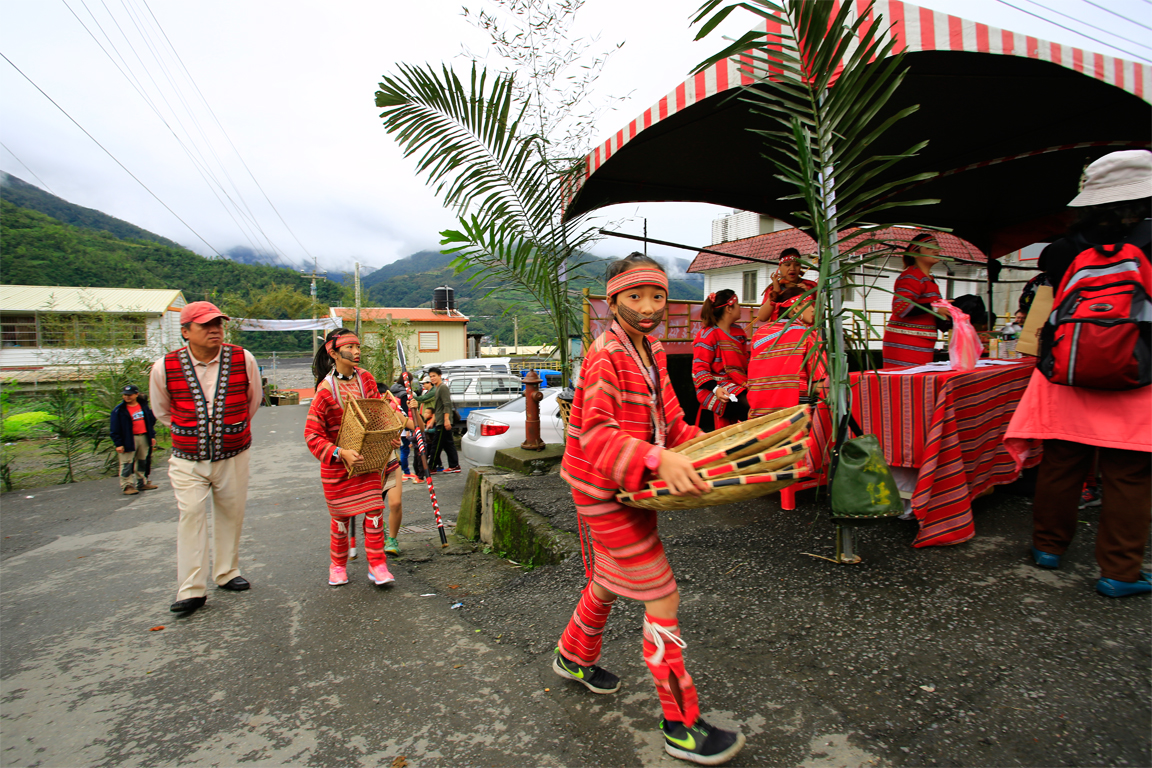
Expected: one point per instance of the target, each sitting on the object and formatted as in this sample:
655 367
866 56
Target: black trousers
440 439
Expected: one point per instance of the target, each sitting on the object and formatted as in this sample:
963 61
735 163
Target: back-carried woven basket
739 462
370 426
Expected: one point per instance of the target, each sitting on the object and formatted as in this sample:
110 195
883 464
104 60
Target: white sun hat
1116 177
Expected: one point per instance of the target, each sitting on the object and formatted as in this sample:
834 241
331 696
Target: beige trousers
132 462
226 483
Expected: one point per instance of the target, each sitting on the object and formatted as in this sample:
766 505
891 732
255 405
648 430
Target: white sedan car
497 429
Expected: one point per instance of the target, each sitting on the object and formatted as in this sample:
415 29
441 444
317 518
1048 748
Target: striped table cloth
950 426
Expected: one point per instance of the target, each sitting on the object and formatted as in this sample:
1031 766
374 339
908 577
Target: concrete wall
452 338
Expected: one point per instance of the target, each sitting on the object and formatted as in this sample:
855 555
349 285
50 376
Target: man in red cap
207 393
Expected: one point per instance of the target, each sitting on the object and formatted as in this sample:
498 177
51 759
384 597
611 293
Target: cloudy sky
290 88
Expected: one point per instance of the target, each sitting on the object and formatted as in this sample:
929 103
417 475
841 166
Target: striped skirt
626 555
907 344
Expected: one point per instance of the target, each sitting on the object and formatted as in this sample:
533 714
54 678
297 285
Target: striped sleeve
611 452
704 350
316 426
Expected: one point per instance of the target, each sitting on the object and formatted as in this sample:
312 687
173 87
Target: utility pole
516 333
357 299
316 274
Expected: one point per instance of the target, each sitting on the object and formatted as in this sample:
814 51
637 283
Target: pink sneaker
380 576
337 575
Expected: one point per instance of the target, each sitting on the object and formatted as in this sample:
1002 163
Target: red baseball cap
200 312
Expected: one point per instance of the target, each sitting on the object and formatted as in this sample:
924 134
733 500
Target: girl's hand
677 471
350 457
721 392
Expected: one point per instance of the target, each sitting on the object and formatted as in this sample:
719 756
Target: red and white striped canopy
916 30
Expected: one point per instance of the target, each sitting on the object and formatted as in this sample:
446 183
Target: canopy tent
1011 121
319 324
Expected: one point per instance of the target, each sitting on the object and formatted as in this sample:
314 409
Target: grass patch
21 426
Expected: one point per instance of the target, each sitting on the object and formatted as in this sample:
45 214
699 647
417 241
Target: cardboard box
1029 343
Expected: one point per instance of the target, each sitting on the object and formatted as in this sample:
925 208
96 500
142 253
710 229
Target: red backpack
1099 335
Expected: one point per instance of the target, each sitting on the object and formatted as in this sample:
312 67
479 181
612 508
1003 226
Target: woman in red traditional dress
624 417
786 278
338 378
720 360
785 359
910 336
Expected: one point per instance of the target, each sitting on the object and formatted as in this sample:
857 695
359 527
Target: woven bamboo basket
370 426
741 461
725 491
565 407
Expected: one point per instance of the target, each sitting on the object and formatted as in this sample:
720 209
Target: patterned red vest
194 436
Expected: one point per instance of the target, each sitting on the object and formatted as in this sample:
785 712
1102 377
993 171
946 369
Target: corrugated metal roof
767 247
417 315
55 298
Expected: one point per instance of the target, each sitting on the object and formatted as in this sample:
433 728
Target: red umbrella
1011 121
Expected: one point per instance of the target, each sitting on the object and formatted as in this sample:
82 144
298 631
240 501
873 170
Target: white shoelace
658 633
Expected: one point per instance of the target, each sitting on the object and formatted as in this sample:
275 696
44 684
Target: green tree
498 149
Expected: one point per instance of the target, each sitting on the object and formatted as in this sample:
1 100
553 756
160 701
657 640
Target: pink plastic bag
965 347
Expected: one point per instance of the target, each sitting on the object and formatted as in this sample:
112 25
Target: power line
97 143
1093 26
1076 31
1122 16
222 130
201 165
2 144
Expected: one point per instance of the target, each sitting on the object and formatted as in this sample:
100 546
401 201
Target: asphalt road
957 656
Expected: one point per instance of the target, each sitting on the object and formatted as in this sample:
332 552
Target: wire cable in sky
218 123
1139 56
1093 26
1114 13
200 165
2 144
97 143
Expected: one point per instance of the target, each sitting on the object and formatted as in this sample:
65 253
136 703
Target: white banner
320 324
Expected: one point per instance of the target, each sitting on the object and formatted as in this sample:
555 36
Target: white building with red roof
746 265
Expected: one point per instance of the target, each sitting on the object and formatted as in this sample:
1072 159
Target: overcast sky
292 85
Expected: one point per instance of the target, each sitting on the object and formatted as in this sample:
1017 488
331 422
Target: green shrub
19 426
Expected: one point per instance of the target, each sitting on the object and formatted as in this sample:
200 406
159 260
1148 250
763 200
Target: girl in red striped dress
623 418
720 360
910 336
338 378
783 364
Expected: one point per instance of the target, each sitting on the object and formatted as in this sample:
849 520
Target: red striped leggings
373 538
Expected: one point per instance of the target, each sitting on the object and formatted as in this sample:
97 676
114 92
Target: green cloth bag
863 486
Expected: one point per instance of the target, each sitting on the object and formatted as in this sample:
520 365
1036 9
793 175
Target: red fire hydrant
533 396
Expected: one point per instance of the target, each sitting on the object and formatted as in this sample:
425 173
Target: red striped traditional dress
778 373
346 496
610 431
910 340
720 357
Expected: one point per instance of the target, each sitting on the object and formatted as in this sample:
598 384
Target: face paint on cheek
347 355
638 321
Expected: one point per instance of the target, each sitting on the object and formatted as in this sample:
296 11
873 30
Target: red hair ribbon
636 277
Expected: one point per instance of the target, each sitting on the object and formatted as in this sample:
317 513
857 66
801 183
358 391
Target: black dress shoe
188 604
238 584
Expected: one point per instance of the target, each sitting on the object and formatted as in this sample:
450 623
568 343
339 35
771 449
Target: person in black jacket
133 430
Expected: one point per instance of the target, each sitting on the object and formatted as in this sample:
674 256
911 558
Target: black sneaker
593 678
702 743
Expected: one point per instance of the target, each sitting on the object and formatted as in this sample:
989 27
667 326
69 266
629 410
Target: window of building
749 293
18 330
429 341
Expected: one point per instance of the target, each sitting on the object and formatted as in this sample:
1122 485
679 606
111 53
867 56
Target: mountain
421 261
25 195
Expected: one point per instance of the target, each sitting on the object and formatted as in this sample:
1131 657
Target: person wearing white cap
1077 422
207 393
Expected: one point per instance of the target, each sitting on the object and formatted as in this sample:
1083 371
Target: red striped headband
342 340
636 277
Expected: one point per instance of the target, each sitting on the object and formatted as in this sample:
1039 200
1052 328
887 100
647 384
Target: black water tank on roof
443 299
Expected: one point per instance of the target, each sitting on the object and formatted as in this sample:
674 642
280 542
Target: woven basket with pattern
741 461
370 426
